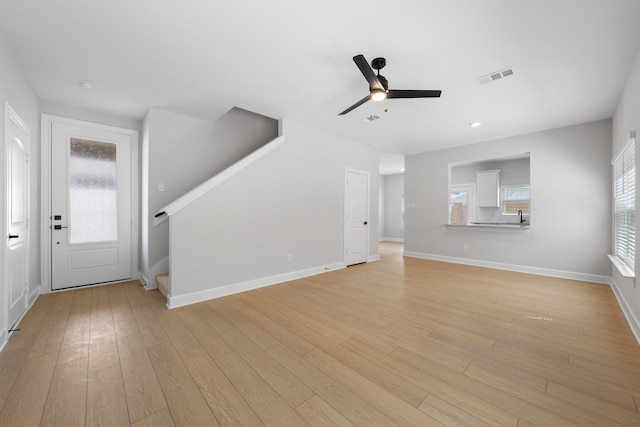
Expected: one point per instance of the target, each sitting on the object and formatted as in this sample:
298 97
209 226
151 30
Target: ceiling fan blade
356 105
367 72
413 94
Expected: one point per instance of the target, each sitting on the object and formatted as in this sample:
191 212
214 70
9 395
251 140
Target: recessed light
86 84
474 124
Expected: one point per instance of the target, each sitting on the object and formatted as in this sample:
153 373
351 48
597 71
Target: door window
461 204
92 191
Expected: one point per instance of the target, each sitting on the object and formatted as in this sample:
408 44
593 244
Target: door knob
365 223
13 236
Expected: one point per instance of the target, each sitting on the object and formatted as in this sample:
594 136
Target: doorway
356 234
91 210
17 216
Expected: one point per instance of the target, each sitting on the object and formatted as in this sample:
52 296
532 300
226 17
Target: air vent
497 75
371 118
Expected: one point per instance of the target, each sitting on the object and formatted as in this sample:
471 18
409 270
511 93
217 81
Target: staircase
162 280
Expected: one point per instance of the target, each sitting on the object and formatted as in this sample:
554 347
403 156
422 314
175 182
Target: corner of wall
149 281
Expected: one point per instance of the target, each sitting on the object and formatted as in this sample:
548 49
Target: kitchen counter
515 226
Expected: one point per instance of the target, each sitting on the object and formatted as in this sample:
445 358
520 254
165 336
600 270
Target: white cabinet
488 184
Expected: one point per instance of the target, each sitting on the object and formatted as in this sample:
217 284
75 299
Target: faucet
521 218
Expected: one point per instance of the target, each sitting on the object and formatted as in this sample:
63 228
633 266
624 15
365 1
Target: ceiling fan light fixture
378 94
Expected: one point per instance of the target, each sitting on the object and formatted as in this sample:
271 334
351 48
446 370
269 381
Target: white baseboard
372 258
144 280
632 320
31 299
207 294
513 267
33 296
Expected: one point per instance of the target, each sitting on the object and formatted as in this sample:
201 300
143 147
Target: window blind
624 172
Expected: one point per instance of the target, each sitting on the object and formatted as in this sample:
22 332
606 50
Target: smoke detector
496 75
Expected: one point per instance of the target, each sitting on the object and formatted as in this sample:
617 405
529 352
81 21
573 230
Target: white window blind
624 175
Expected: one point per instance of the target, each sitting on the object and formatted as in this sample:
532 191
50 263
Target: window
516 198
461 204
624 193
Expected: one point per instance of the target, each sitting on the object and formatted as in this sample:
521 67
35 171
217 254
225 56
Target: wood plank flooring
398 342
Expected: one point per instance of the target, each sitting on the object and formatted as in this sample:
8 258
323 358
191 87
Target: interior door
91 208
356 216
17 175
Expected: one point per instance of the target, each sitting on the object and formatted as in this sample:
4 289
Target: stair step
162 281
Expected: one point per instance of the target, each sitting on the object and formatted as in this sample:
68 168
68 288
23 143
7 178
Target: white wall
16 90
393 189
182 152
381 197
570 231
626 120
289 202
54 109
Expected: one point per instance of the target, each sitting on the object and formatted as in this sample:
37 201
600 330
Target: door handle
14 236
58 227
365 223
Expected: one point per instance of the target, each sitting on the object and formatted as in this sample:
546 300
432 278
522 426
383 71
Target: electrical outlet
466 246
289 257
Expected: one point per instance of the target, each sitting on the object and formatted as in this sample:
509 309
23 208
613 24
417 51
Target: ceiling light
474 124
378 94
86 84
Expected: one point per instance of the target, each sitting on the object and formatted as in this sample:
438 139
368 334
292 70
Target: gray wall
182 152
625 120
16 90
289 202
571 203
393 187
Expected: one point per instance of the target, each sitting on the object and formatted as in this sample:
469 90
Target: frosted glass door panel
93 213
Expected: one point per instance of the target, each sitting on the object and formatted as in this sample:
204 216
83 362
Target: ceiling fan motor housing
378 64
384 82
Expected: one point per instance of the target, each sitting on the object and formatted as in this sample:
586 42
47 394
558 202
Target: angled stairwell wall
181 152
278 217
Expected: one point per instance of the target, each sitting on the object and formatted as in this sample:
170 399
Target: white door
17 211
91 212
356 239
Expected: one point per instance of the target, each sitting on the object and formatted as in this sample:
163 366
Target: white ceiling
292 58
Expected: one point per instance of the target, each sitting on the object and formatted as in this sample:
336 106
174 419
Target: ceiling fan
379 86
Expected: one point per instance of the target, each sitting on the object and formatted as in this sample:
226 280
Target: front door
17 212
356 216
91 207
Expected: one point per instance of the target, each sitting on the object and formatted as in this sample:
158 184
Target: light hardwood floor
396 342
